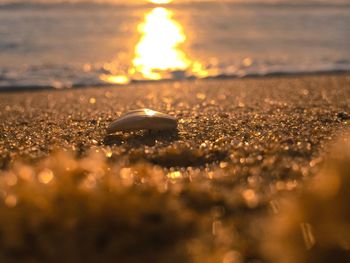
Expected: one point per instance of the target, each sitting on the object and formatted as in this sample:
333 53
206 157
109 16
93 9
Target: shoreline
5 89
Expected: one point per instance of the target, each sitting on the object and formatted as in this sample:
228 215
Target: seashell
143 119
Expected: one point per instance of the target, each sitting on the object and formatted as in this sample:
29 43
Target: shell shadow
137 139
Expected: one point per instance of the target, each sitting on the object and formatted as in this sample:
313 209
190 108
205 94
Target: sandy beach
221 120
198 194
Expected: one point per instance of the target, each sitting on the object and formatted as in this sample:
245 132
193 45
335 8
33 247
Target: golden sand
204 193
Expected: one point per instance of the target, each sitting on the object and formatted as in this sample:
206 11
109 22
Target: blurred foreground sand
200 194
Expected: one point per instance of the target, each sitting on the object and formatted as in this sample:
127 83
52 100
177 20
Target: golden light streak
160 2
158 54
158 50
115 79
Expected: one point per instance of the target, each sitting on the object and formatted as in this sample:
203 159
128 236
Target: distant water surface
65 45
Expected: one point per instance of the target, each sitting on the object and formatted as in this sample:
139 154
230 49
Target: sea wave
60 49
35 78
40 4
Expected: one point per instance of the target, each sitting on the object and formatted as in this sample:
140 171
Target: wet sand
197 192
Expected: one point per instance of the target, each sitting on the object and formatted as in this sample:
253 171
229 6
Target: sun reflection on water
160 1
158 50
115 79
158 54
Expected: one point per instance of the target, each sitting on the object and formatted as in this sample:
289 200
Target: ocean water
81 43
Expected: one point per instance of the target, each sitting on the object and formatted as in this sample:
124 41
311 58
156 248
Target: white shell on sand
143 119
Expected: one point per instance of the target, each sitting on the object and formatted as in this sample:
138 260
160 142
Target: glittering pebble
143 119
